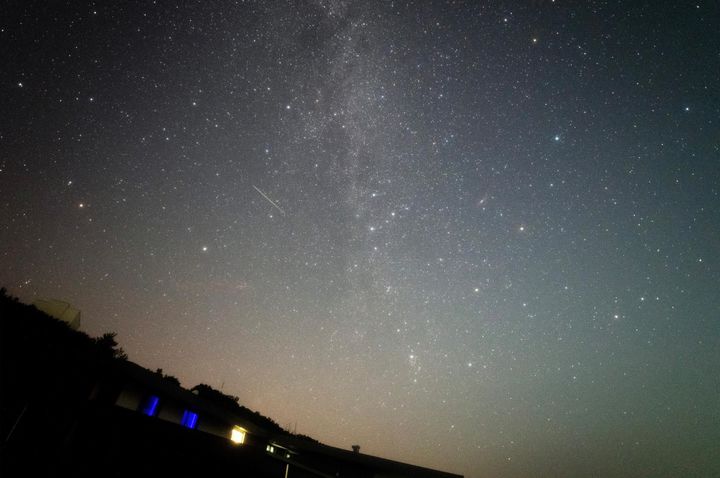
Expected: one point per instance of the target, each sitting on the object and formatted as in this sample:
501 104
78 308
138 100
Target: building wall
171 412
130 398
133 397
214 426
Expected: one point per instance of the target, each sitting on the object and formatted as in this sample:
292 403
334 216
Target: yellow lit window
237 435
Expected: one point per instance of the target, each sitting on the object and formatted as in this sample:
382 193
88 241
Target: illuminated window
270 448
150 406
237 435
189 419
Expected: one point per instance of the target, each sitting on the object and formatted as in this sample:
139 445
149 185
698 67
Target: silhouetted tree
168 378
216 396
109 345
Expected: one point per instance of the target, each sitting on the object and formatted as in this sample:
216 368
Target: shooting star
269 200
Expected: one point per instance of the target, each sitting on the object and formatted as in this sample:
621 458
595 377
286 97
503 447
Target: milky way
481 238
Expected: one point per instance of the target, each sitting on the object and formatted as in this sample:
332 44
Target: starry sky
474 236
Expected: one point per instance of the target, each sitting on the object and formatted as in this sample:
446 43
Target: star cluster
475 236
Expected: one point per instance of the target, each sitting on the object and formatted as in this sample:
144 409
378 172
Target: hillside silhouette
75 405
48 372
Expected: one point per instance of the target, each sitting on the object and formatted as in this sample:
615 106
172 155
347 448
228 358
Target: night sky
480 238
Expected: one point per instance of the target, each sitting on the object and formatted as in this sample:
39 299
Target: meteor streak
269 200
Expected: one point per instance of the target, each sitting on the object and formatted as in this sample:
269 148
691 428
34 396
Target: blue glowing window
189 419
150 406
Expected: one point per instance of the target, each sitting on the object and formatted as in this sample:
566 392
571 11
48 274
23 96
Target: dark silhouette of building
73 406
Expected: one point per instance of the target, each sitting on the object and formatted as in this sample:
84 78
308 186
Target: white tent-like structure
60 310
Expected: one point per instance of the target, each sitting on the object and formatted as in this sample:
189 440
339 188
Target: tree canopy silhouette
107 344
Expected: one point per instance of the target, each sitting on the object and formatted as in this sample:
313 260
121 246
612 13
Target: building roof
362 459
306 453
